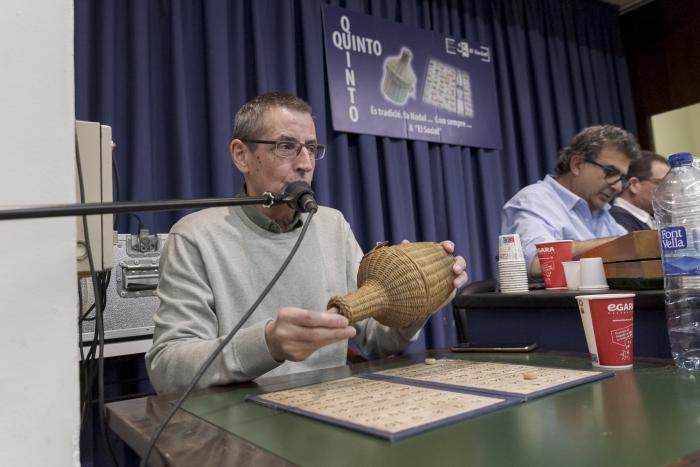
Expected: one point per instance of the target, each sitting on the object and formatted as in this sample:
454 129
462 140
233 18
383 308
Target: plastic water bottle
677 208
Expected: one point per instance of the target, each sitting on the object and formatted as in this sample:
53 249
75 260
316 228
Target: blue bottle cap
680 158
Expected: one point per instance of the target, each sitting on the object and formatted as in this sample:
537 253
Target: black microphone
300 197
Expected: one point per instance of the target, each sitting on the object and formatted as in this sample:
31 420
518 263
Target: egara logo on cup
620 307
545 249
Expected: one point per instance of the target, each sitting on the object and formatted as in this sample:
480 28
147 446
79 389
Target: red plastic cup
608 324
551 256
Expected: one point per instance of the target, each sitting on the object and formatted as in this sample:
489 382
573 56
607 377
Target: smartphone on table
494 347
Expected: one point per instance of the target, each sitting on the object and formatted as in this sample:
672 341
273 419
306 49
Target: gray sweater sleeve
378 341
186 330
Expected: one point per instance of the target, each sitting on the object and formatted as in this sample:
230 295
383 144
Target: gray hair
249 123
592 140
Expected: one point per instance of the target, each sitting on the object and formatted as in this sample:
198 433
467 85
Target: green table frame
649 415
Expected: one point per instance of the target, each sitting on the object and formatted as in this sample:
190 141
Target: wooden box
646 269
635 246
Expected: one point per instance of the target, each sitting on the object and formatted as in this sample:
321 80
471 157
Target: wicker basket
399 284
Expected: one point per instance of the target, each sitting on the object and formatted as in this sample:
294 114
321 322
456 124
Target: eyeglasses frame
321 147
609 172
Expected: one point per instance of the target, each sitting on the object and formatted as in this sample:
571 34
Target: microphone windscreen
300 197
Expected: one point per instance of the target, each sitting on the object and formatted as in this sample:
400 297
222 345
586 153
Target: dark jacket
627 220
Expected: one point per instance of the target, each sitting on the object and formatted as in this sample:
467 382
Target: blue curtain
168 77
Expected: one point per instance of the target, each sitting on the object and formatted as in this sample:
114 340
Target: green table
646 416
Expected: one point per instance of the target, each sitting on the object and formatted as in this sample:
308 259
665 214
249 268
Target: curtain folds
169 75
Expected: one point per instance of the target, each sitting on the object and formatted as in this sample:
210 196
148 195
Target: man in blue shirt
573 205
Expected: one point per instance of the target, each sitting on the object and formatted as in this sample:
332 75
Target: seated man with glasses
632 208
573 205
217 261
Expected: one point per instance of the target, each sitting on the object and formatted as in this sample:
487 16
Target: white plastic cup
593 274
572 272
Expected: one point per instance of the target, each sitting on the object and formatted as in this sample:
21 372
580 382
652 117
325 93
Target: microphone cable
99 323
224 343
88 361
115 173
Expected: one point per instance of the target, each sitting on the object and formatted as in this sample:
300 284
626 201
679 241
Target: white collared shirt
640 214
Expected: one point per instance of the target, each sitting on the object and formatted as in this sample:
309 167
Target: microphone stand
299 198
268 200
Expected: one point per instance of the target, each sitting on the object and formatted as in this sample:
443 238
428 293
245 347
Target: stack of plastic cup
512 271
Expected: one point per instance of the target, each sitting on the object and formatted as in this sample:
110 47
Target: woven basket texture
399 284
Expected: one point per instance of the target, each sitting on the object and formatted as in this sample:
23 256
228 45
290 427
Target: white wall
39 413
677 131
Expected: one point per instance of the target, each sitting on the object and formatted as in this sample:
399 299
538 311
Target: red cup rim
604 296
555 241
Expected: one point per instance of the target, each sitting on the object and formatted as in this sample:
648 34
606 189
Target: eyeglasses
291 149
612 175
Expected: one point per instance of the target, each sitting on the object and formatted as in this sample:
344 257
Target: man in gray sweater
216 262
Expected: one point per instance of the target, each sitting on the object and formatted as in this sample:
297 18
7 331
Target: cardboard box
635 246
